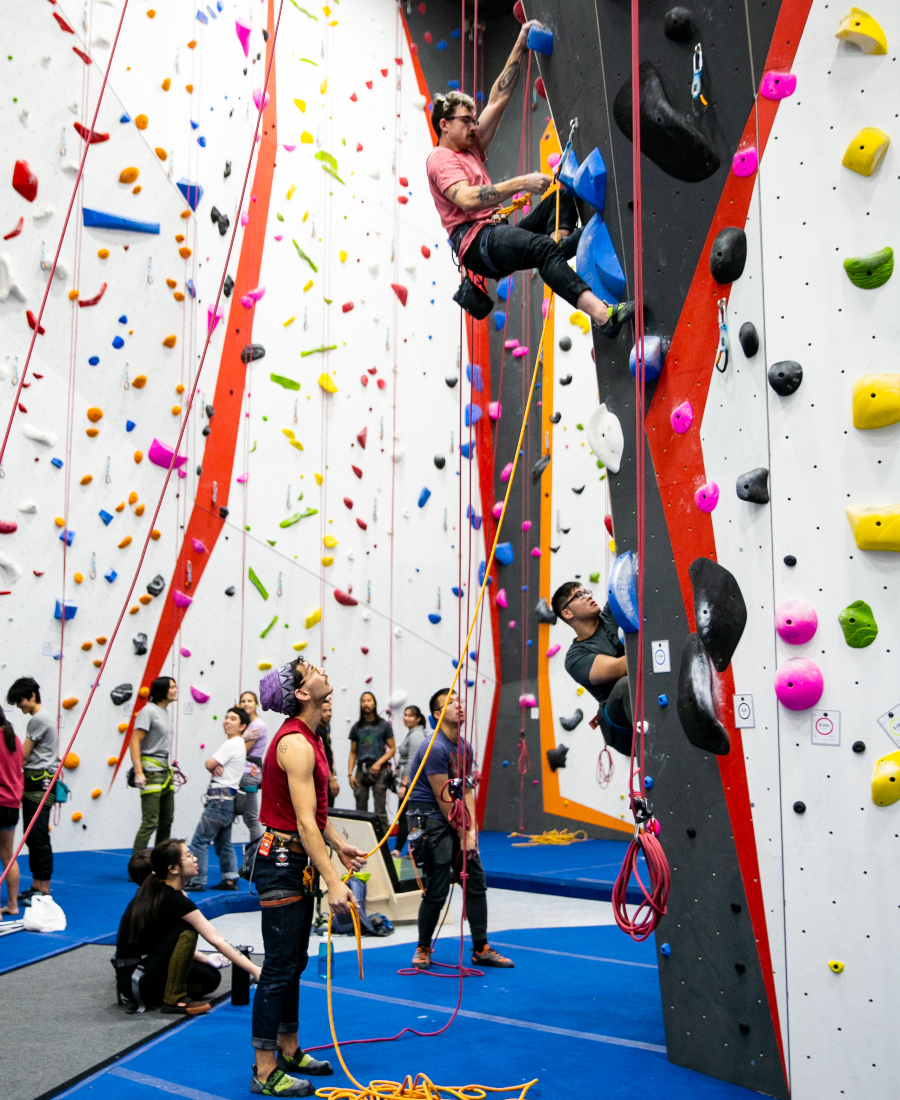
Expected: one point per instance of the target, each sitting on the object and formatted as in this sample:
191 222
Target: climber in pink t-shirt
466 200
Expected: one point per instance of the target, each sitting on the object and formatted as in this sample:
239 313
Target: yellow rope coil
550 836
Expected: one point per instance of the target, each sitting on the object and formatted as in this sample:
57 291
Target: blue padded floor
581 1012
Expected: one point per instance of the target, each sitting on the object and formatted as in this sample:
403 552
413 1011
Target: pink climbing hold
199 696
745 162
245 218
796 621
536 552
25 181
799 683
707 497
527 701
247 302
7 526
258 98
243 33
510 344
507 472
180 599
495 410
545 307
553 650
242 480
161 455
198 546
256 294
518 353
501 598
526 525
345 598
346 307
185 652
682 417
289 148
778 86
554 159
497 510
213 320
401 292
512 624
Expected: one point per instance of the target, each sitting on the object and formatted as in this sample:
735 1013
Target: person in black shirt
159 931
323 731
596 660
371 747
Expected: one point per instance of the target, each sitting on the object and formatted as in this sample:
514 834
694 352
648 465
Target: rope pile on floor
550 836
422 1088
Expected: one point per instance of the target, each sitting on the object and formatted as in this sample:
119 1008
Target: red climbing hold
38 572
381 383
25 181
428 37
403 199
364 380
609 527
93 137
359 147
539 87
32 322
361 437
519 11
348 503
345 598
82 302
7 526
403 181
15 232
356 470
384 72
63 25
401 292
364 648
84 57
22 408
354 98
372 370
346 307
398 60
361 524
426 251
370 84
421 9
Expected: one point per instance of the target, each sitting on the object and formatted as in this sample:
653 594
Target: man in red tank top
293 848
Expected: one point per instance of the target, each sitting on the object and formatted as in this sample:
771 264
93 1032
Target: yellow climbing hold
170 341
141 122
290 192
300 646
301 103
125 542
862 30
87 479
319 478
580 319
59 521
876 527
294 441
73 294
836 966
308 286
103 253
580 691
323 87
865 151
78 579
77 816
264 665
128 175
330 541
94 414
876 400
343 255
290 321
327 382
313 617
167 84
306 138
96 792
305 216
886 780
161 153
328 561
139 382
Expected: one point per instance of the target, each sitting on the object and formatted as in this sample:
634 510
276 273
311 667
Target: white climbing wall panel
406 559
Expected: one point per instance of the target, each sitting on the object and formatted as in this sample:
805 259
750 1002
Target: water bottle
323 961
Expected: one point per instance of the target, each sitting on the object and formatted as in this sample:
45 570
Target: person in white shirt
226 766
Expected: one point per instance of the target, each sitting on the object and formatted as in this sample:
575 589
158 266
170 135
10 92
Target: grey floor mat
59 1019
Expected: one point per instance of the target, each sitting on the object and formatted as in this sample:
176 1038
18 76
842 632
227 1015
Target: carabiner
699 101
723 350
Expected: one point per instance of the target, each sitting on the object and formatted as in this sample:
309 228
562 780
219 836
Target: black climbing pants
499 250
443 864
40 851
617 724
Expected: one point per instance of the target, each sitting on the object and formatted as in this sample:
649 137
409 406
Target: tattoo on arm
488 194
455 192
508 77
282 747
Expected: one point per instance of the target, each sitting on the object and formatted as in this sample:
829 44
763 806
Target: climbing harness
699 100
723 350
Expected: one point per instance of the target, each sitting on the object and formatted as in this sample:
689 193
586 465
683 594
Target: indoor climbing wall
324 499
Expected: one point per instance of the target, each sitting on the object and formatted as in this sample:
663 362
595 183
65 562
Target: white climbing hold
604 435
39 216
410 267
9 284
11 570
367 615
399 452
350 555
45 60
373 267
28 507
100 42
375 174
398 631
419 101
406 514
40 435
70 167
398 698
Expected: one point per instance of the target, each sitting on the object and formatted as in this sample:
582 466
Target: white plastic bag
44 915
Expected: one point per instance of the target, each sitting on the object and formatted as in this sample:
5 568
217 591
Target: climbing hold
872 271
865 151
565 343
504 553
876 401
506 472
589 182
728 255
695 705
682 417
257 583
541 41
68 704
156 586
778 85
796 621
668 138
707 497
199 696
401 292
505 288
858 624
544 612
754 486
139 381
423 497
8 526
555 417
92 137
858 746
862 30
110 575
345 598
622 592
199 547
719 610
605 438
140 644
556 758
553 650
678 24
538 468
313 617
161 455
192 192
570 723
886 780
502 601
180 599
327 383
785 377
243 33
835 966
875 527
121 694
597 263
25 181
128 175
799 683
654 357
566 380
745 161
749 339
96 219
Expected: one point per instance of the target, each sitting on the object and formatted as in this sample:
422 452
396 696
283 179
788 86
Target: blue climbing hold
622 592
67 536
663 700
191 289
473 654
202 18
454 84
499 320
71 608
94 360
466 449
455 32
473 375
473 415
653 358
505 287
192 192
442 45
201 141
481 569
665 950
540 41
648 782
568 170
505 763
476 523
118 342
504 554
457 591
110 575
423 497
129 425
596 262
434 617
195 125
529 642
125 118
123 320
106 517
97 219
480 97
57 462
590 181
211 12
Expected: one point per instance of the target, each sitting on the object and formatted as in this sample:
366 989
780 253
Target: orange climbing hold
167 84
128 175
161 153
87 645
132 497
78 578
96 792
120 507
133 610
171 283
141 122
103 253
101 640
92 432
139 511
87 479
113 760
138 456
72 701
170 341
139 382
73 759
78 815
155 534
145 599
184 252
94 414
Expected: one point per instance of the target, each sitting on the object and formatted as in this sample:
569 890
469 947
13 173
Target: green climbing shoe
279 1083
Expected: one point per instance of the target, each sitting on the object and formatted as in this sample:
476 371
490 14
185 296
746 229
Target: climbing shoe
422 958
226 884
619 315
568 246
299 1061
186 1008
489 957
279 1083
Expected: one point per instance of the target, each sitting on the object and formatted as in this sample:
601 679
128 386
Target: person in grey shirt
40 761
151 746
417 731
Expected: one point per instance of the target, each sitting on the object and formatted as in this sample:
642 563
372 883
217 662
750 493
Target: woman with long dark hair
371 748
159 931
416 732
12 782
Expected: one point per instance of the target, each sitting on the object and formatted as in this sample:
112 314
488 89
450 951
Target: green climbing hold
315 351
858 624
269 627
260 587
288 383
872 271
303 256
595 578
298 516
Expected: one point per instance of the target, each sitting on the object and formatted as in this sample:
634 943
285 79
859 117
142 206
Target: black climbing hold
564 530
571 722
668 138
578 491
785 377
451 381
265 35
199 471
754 486
719 610
749 339
228 286
566 380
223 512
221 220
155 587
538 468
789 559
210 411
227 169
678 24
799 807
230 590
744 1029
728 254
691 833
553 549
859 746
121 694
740 968
544 612
555 417
556 758
140 644
696 709
565 343
206 429
440 461
736 907
252 352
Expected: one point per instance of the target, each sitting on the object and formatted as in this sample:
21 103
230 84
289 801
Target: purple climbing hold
799 683
796 621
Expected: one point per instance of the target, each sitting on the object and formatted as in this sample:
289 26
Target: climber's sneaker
489 957
279 1083
422 958
619 315
299 1061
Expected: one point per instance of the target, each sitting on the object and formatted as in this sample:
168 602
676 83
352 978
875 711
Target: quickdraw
723 351
699 100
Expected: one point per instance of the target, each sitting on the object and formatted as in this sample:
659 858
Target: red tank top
277 809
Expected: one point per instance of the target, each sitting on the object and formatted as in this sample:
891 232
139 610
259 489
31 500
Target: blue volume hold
596 262
94 360
118 342
476 522
191 289
590 181
466 449
434 617
71 608
481 568
192 192
622 592
67 537
129 425
106 517
473 415
653 358
57 462
568 170
423 497
506 287
202 17
97 219
110 575
473 375
499 320
504 554
540 41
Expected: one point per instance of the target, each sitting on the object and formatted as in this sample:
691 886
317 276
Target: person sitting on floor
139 866
156 960
597 661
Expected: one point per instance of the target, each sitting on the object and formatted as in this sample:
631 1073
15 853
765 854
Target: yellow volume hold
876 400
875 527
886 780
862 30
865 151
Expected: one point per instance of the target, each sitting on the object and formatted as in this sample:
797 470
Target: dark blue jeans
286 921
215 828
